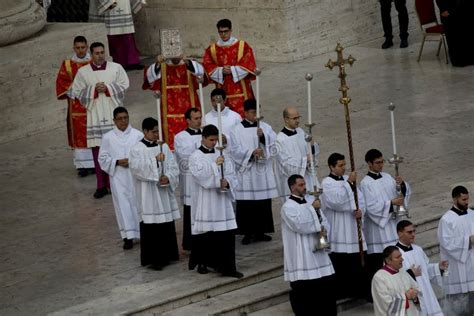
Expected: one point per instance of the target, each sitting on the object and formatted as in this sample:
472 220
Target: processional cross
345 100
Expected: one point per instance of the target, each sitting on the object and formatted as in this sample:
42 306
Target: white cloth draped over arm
151 75
376 209
137 5
198 68
238 73
106 161
118 88
301 219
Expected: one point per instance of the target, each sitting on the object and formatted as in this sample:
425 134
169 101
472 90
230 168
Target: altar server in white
380 198
417 264
113 159
292 152
456 243
340 209
310 272
185 143
394 291
212 216
100 87
229 117
156 177
251 152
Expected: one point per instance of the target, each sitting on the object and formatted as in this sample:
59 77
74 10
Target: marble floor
61 248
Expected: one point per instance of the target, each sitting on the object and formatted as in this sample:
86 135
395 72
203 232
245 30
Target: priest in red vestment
177 81
76 113
231 65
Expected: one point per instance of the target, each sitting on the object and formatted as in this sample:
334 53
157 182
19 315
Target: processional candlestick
160 135
345 100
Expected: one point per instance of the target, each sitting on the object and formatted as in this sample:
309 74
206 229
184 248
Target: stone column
20 19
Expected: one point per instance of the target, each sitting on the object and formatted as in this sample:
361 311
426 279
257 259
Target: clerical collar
458 211
149 143
337 178
99 67
298 199
84 59
403 247
206 150
374 175
232 40
193 131
288 131
246 123
390 269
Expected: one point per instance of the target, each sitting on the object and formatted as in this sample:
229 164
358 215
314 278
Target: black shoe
234 274
202 269
127 244
91 170
82 172
262 237
387 44
100 193
404 43
246 240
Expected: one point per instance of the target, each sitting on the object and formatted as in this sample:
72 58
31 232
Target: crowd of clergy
228 165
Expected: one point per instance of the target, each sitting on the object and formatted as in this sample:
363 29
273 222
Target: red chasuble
238 54
178 94
76 113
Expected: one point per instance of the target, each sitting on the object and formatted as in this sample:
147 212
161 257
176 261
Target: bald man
292 152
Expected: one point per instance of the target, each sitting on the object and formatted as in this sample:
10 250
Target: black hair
209 130
218 91
224 23
96 44
402 224
79 39
458 190
292 179
119 110
372 154
387 252
149 123
187 114
250 104
334 158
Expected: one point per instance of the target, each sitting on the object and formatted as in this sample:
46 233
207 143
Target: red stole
178 93
76 113
237 54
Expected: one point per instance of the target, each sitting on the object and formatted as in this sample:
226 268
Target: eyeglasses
121 118
294 118
224 31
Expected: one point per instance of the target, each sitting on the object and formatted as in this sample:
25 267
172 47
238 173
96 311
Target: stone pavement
61 250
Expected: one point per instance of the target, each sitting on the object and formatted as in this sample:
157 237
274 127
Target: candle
158 110
201 100
257 75
392 120
219 122
308 78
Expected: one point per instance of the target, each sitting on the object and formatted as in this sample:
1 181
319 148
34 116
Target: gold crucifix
342 72
345 100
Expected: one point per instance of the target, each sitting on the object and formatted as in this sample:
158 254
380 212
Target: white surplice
292 158
100 109
299 226
229 120
338 204
256 178
116 145
211 209
156 204
453 235
83 158
379 227
184 145
388 292
429 272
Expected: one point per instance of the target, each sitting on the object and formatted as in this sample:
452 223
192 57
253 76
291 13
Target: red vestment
178 87
76 113
237 54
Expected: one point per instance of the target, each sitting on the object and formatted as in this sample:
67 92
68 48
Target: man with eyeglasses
292 152
417 264
113 159
380 198
230 63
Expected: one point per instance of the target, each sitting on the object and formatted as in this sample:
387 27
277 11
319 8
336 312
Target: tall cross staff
345 100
